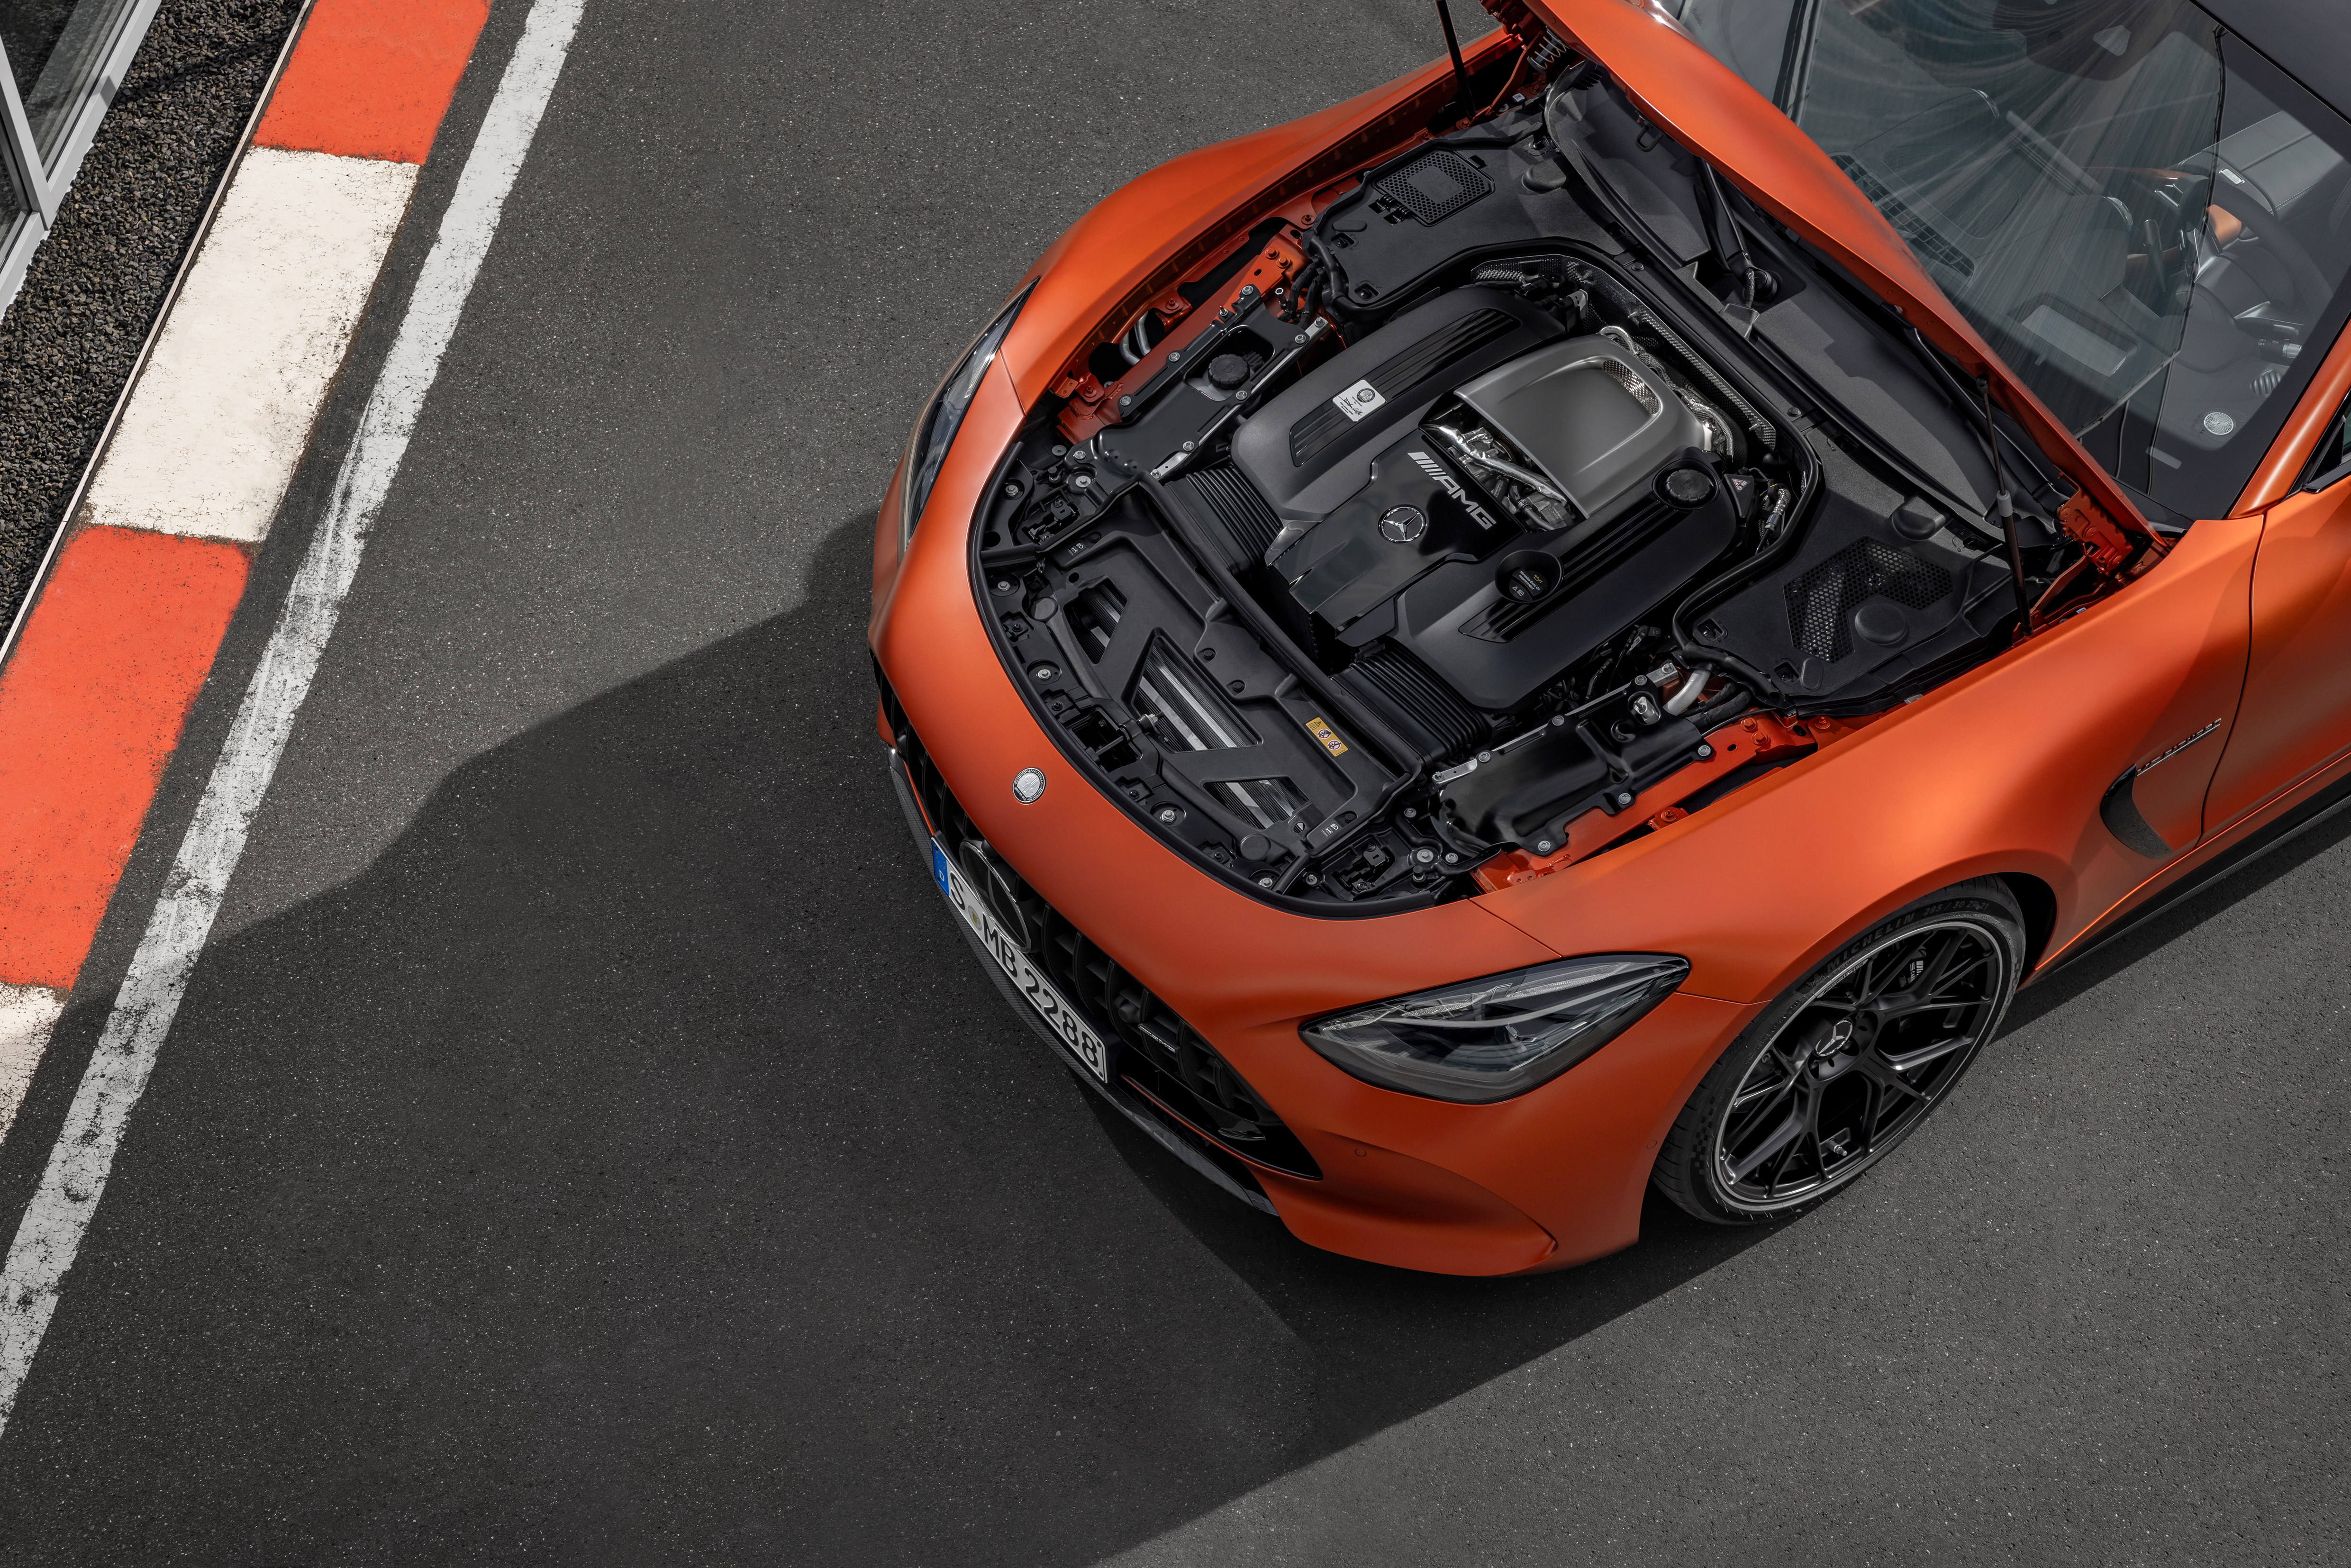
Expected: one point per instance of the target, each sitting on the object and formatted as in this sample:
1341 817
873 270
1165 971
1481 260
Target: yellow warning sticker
1327 735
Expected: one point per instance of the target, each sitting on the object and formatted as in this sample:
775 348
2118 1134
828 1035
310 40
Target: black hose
1502 272
1306 291
1737 700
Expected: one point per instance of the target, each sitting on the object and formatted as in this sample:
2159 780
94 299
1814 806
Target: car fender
1999 772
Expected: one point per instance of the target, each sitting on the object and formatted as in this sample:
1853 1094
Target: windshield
2144 218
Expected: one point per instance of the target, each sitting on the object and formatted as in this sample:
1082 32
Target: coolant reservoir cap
1687 485
1227 372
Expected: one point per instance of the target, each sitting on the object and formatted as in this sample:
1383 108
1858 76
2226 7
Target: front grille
1166 1069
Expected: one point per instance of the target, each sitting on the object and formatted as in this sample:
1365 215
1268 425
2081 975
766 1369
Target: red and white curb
102 677
107 665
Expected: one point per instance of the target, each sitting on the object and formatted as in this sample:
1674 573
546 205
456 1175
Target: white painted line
210 435
27 1014
61 1210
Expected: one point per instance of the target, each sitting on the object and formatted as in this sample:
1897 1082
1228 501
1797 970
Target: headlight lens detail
936 431
1488 1039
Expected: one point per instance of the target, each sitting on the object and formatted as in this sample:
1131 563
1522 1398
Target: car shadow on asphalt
633 1165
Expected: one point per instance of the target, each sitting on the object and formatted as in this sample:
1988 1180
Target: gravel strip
67 343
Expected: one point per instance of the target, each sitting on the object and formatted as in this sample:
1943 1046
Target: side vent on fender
2123 819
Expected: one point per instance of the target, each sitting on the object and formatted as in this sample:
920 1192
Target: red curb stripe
371 78
91 704
98 687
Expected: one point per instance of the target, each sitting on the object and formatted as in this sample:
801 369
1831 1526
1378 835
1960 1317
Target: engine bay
1444 531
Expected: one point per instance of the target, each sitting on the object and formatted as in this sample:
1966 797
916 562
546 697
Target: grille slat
1154 1050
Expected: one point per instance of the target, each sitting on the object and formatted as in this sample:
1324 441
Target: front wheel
1848 1060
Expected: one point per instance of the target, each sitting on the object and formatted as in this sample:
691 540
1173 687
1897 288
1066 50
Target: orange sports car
1586 618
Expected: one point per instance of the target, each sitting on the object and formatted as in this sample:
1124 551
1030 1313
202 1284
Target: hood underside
1710 108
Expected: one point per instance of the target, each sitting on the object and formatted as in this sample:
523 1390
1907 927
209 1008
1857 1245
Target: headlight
1488 1039
937 430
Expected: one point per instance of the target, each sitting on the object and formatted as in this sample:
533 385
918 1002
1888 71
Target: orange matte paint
1999 772
91 704
2295 717
370 79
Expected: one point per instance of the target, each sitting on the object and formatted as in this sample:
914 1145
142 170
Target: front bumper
1550 1178
1186 1143
1332 1187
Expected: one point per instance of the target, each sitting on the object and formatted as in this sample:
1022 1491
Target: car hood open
1710 108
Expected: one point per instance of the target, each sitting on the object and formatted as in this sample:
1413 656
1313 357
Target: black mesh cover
1434 188
1821 602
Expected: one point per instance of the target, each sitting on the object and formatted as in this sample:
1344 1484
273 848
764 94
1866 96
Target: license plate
1051 1005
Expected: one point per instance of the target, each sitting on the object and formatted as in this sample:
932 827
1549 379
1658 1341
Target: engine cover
1413 515
1311 448
1496 649
1591 415
1396 524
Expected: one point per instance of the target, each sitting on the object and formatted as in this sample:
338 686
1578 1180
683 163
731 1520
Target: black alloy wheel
1848 1060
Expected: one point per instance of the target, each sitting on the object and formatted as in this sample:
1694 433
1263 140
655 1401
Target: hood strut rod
2007 503
1453 47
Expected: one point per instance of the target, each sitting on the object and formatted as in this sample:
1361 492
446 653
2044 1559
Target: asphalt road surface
586 1139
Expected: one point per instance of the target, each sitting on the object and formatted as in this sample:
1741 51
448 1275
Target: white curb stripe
211 436
61 1210
28 1015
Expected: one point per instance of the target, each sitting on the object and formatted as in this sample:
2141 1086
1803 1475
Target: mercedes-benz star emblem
1027 784
1403 525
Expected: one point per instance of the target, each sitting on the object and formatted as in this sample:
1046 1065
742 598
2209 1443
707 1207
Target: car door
2295 717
